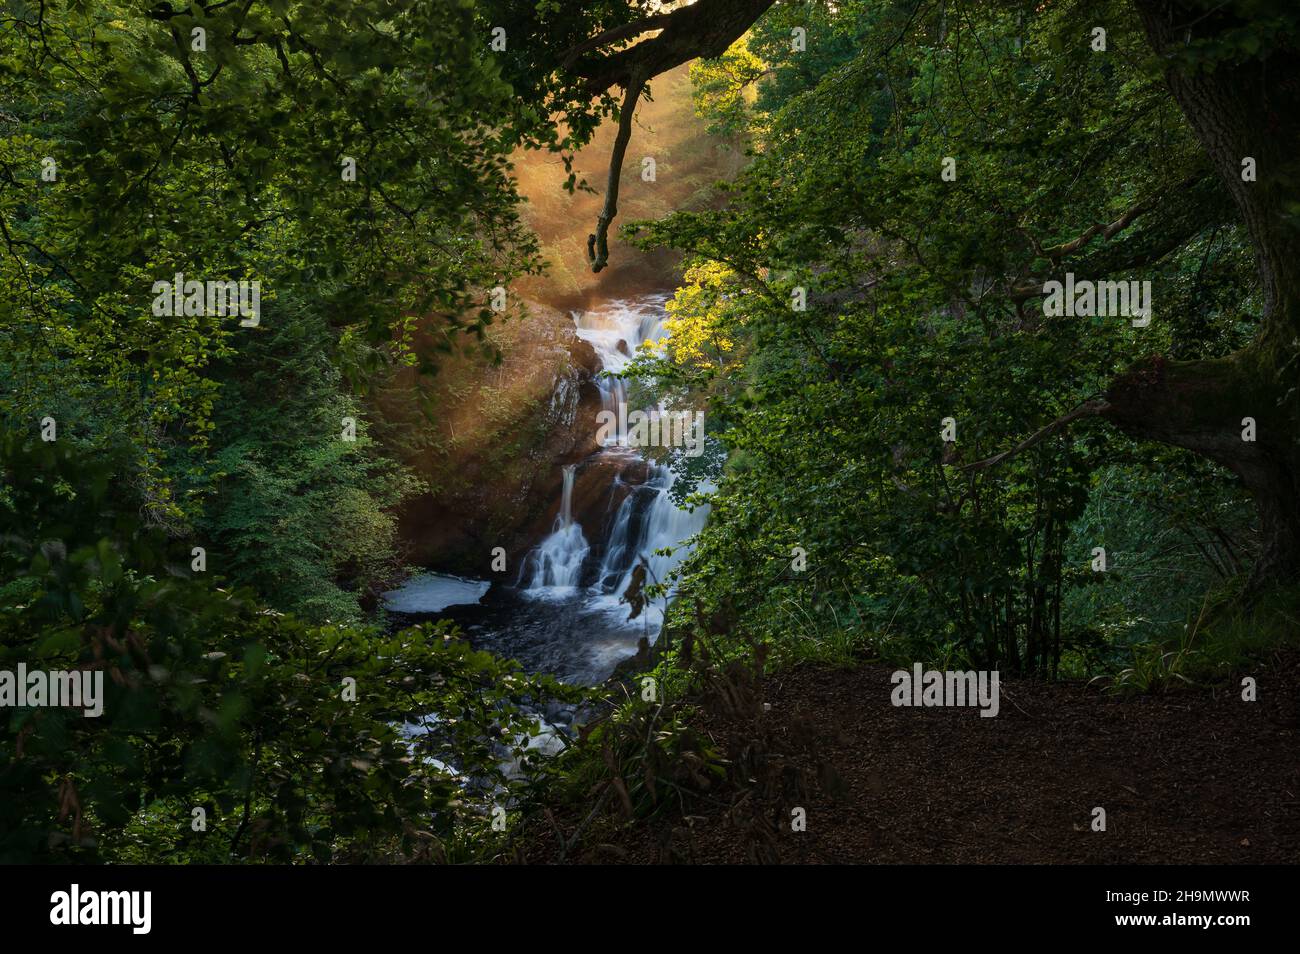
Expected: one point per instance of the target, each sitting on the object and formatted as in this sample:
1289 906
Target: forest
728 431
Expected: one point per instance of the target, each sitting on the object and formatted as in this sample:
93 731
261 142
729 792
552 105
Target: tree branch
704 29
1182 212
1086 409
1106 230
614 35
598 242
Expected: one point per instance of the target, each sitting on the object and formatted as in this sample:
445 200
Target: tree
1234 71
351 160
338 152
703 29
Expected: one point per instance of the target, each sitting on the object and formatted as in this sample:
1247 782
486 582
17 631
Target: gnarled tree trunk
1249 108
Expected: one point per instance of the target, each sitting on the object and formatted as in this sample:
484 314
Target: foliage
217 142
298 513
223 155
213 702
868 284
915 313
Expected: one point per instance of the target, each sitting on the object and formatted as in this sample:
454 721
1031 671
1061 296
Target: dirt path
1194 776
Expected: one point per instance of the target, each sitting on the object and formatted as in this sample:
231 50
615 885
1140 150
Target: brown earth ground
1194 776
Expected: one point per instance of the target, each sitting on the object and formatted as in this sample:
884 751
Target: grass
1226 637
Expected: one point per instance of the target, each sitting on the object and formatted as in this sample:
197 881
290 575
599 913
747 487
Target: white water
434 592
556 564
580 629
564 614
646 520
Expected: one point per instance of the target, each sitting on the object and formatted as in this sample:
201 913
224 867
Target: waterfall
566 498
563 615
643 526
556 564
646 519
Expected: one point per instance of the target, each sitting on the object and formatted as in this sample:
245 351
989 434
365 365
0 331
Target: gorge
560 609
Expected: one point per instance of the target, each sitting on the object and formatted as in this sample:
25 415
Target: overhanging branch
614 35
1086 409
704 29
598 241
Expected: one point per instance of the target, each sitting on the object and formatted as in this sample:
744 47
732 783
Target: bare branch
1086 409
598 242
614 35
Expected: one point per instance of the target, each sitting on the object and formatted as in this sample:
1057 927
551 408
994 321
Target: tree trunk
1248 108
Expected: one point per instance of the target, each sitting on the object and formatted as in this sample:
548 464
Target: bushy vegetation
230 731
340 156
913 461
966 551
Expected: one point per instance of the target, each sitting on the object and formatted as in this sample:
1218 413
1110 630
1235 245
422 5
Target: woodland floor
1193 776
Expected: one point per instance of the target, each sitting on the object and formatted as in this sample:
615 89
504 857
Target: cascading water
640 529
557 563
647 519
564 615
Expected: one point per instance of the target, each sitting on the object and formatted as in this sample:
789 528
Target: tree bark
702 30
1245 108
